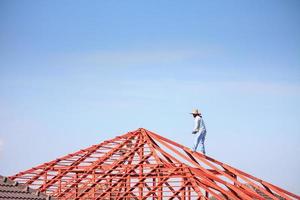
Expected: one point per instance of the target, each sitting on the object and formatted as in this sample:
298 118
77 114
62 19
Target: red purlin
143 165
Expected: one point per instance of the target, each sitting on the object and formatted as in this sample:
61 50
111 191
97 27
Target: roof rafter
140 165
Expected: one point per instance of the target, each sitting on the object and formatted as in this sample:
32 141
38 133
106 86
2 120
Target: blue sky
73 74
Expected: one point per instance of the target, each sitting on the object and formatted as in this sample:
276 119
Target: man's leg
196 141
203 147
202 139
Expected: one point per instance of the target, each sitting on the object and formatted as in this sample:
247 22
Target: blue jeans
199 139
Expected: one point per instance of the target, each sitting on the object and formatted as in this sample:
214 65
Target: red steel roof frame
144 165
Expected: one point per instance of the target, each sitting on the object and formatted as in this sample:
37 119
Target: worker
199 130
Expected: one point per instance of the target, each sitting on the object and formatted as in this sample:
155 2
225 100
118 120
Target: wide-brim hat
195 112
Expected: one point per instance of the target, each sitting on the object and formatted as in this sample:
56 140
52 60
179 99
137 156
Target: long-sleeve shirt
199 124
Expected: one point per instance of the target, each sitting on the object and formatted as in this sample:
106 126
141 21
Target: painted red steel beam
143 165
221 164
96 165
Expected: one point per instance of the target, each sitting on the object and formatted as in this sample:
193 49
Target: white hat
195 112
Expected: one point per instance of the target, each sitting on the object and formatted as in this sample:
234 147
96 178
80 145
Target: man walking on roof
199 130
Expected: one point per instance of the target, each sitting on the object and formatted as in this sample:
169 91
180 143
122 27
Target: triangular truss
144 165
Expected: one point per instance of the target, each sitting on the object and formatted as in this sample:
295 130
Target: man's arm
196 125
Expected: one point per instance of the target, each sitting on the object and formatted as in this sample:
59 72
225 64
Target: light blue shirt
199 125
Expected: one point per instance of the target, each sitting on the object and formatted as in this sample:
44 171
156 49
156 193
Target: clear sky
75 73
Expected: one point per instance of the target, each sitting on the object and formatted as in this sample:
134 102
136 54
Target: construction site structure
144 165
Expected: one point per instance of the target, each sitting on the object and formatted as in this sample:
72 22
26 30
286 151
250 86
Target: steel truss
143 165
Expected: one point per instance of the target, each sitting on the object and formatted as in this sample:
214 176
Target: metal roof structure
144 165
